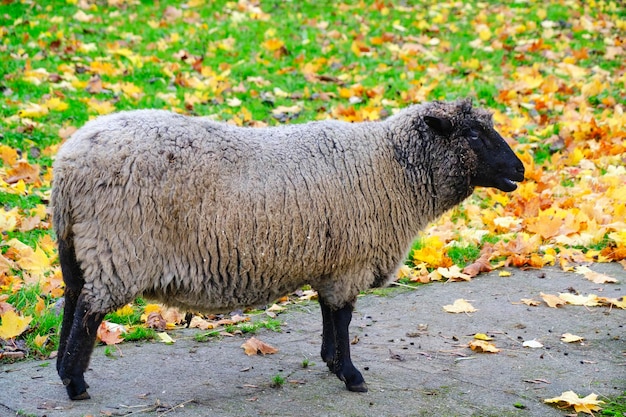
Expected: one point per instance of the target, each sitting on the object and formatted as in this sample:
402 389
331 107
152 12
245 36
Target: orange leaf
110 333
273 44
545 226
24 171
253 346
8 155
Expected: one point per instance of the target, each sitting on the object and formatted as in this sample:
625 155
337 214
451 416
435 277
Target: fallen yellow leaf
587 404
40 340
590 300
593 276
453 273
482 336
165 338
552 300
530 302
483 346
459 306
13 325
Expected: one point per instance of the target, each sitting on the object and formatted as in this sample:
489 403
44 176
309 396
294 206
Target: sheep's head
495 163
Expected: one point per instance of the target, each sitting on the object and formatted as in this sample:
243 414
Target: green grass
138 333
249 327
278 381
46 320
463 255
614 406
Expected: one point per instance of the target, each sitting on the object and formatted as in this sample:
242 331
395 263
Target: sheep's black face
497 164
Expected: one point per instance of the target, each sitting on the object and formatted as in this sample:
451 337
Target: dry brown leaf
481 264
156 321
254 346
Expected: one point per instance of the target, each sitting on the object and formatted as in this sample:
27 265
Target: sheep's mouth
509 183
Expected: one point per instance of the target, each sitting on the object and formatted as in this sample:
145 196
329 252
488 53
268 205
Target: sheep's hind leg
80 344
339 321
328 336
73 279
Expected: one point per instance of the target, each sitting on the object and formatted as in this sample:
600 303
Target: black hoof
360 387
83 396
76 389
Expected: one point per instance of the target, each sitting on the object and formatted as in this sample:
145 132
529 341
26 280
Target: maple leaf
553 301
590 300
431 253
593 276
13 324
453 273
588 404
460 306
254 346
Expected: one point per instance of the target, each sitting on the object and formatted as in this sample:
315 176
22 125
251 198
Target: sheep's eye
473 134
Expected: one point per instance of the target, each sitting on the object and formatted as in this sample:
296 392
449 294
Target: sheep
207 216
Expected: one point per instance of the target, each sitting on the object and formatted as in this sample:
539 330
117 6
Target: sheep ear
440 125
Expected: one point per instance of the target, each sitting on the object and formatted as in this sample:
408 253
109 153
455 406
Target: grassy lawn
552 72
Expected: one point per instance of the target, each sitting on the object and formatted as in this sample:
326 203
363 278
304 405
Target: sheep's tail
61 212
62 221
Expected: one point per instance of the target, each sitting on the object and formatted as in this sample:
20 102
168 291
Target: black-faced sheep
208 216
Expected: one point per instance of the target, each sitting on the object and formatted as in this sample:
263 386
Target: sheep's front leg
336 346
80 344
